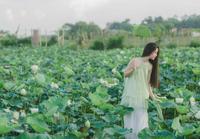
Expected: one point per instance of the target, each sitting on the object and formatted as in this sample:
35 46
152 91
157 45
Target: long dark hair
148 49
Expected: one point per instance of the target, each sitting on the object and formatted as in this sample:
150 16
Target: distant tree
124 25
170 23
192 21
142 31
93 30
148 20
159 30
158 20
81 31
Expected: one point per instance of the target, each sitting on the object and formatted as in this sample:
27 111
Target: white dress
135 95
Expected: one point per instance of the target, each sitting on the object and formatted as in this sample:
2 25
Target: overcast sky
51 14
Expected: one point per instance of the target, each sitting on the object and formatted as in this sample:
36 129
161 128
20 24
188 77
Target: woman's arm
128 72
151 94
130 68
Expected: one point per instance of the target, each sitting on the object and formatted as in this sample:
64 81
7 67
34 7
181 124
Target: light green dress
136 95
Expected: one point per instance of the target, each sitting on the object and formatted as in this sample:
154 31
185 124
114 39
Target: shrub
12 40
98 45
8 40
72 45
115 42
24 41
52 40
172 45
194 44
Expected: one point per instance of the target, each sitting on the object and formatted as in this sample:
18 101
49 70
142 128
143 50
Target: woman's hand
158 98
155 98
134 63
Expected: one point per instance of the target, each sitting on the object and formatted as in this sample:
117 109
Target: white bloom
23 92
19 130
105 62
14 121
197 115
7 110
118 57
179 100
121 52
114 70
54 85
23 113
87 123
192 98
34 110
192 101
163 62
113 82
34 68
16 115
102 81
69 102
56 115
26 126
110 83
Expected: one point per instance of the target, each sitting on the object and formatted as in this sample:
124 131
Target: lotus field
58 93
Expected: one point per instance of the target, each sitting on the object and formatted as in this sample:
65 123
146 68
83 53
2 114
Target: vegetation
59 93
83 34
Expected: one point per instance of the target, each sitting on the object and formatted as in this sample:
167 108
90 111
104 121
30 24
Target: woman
141 75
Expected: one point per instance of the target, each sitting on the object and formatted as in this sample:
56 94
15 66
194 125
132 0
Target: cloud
51 14
39 14
23 13
9 14
80 7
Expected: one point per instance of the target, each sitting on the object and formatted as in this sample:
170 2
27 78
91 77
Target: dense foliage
59 93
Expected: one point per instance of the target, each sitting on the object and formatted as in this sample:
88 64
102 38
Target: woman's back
136 86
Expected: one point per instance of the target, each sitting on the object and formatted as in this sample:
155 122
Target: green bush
111 43
172 45
24 41
52 40
72 45
8 40
115 42
12 40
142 31
194 44
98 45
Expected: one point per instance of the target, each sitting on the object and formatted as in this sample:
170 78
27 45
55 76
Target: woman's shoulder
134 59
